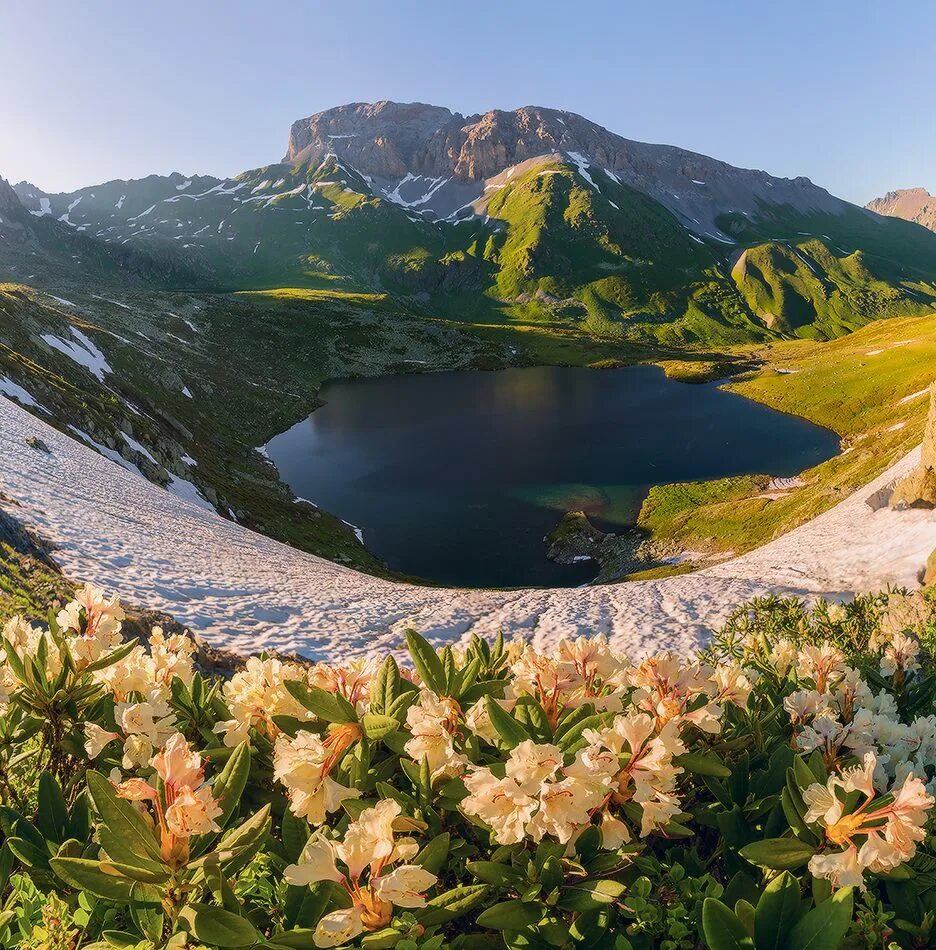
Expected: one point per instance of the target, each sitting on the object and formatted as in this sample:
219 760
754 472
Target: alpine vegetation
775 790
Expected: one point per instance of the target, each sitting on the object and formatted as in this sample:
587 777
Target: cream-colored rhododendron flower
648 774
537 796
670 689
187 806
92 624
824 665
178 764
96 739
877 834
530 765
433 722
900 656
582 671
25 638
352 680
193 812
500 803
405 886
303 765
256 694
366 851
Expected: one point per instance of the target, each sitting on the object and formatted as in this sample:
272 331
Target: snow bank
247 592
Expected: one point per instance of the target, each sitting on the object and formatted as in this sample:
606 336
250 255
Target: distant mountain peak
911 204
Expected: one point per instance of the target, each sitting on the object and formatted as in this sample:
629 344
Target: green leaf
433 855
777 911
52 813
500 875
451 904
426 661
218 927
28 853
510 731
824 927
510 915
723 930
231 781
386 687
778 854
115 656
295 833
590 894
330 707
377 726
87 875
121 818
703 763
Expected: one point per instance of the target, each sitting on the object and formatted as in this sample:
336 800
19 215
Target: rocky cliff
911 204
390 140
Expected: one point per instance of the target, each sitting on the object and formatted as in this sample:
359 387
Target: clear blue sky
839 90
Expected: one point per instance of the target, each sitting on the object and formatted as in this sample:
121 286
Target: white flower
193 812
500 803
339 927
531 765
405 886
97 739
316 863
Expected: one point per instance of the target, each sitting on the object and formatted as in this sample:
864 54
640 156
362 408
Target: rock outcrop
929 574
918 489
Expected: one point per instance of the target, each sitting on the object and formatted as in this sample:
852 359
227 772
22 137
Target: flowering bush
773 791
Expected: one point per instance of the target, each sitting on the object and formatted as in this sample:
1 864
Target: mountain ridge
535 215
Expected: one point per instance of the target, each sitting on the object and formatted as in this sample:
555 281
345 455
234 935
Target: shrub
773 791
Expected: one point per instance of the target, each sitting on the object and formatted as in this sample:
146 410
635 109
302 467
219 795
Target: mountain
535 216
911 204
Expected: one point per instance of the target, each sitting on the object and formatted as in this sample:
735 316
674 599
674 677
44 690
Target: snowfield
247 592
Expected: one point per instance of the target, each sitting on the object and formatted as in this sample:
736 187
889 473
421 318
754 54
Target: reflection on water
456 477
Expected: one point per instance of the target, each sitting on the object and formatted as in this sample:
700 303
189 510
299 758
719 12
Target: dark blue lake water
457 477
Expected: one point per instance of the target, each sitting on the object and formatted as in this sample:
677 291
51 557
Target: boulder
918 489
929 575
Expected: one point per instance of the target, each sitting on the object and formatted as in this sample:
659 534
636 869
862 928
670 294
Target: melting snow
83 352
45 207
185 184
142 449
62 301
120 202
186 392
105 451
581 162
913 396
187 491
14 391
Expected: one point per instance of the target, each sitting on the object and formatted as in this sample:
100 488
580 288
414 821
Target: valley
177 323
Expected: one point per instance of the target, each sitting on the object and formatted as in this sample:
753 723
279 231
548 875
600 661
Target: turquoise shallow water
457 477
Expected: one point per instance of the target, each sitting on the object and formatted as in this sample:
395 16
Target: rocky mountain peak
384 138
912 204
9 202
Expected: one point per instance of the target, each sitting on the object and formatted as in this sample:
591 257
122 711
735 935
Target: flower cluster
876 834
542 793
367 851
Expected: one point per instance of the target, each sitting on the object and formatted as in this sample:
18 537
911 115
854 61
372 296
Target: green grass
835 384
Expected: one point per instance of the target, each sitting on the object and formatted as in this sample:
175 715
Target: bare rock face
9 201
388 141
912 204
918 489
